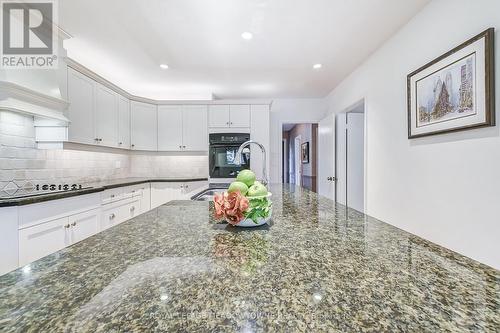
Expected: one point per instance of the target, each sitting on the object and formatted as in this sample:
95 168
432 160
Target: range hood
39 93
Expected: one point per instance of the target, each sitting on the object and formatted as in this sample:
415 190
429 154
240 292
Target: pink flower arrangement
230 206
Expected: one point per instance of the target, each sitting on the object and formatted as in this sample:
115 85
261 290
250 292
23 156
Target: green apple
238 186
247 177
257 190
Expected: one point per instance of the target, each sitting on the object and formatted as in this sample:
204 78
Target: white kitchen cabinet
195 128
218 115
106 114
182 128
81 109
239 116
123 123
143 124
161 193
170 118
118 212
84 225
229 116
41 240
259 131
9 239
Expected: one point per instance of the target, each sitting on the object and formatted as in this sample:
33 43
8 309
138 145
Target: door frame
362 100
279 129
297 160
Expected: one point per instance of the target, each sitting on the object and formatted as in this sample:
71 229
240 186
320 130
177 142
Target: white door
239 115
298 160
123 123
81 108
106 113
195 128
218 115
143 124
170 128
326 157
355 161
41 240
84 225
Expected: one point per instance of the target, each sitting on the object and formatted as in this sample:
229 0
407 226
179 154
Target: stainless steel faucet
237 159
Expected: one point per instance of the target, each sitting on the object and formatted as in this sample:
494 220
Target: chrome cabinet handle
132 145
67 226
132 208
227 123
120 143
186 186
73 224
112 216
112 195
184 147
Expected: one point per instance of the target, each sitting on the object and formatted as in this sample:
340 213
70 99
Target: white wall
443 188
306 110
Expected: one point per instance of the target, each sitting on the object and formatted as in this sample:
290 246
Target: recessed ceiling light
317 66
247 35
164 66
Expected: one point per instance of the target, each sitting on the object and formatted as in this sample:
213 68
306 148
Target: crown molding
96 77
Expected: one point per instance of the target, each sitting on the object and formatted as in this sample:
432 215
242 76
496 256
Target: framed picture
305 153
455 91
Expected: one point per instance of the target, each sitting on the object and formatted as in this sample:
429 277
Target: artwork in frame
305 152
455 91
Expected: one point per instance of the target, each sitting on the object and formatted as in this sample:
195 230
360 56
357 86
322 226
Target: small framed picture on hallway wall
305 152
455 91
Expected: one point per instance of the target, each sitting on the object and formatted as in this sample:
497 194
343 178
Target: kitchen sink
208 194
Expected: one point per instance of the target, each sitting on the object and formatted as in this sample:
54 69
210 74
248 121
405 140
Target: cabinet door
43 239
143 124
84 225
239 115
106 114
170 128
218 115
161 193
123 123
81 108
195 128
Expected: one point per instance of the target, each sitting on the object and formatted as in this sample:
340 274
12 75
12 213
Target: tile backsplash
22 165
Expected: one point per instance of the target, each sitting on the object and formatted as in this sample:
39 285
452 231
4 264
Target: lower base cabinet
44 228
118 212
40 240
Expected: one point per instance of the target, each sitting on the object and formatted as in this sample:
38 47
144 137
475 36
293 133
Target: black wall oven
222 152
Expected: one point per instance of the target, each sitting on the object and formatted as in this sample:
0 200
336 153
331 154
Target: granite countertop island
318 267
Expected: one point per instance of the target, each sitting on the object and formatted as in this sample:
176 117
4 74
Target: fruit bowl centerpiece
246 203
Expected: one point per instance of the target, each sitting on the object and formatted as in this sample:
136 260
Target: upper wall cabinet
170 127
218 115
239 115
143 126
229 116
182 128
123 123
106 115
97 114
81 108
195 128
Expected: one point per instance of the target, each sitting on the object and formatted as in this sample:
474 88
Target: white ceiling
126 40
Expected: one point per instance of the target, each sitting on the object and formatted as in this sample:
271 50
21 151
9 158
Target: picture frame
455 91
305 153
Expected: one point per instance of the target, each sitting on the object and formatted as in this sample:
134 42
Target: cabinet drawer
41 240
133 191
112 195
119 212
